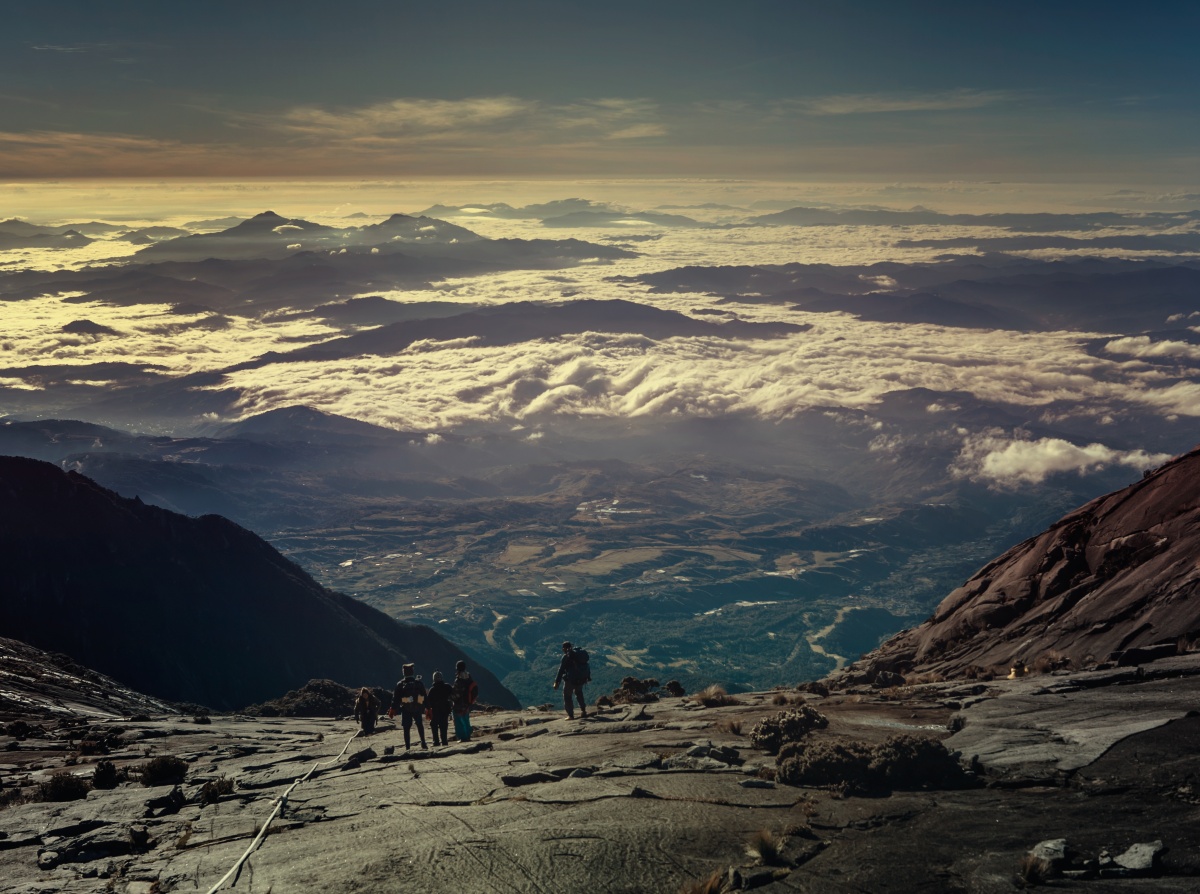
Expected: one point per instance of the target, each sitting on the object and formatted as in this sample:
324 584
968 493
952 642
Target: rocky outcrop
193 610
1114 581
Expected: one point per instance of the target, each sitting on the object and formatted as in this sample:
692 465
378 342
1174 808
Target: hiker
366 710
408 700
573 673
437 708
463 696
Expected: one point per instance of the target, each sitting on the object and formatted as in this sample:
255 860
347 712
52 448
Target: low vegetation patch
316 698
856 768
635 691
773 733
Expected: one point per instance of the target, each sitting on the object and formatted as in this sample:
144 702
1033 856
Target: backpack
583 670
472 692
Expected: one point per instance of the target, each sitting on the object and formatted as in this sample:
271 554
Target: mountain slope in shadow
189 609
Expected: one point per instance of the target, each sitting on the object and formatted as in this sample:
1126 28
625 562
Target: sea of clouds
839 362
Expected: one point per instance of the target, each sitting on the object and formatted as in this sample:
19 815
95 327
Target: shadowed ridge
1114 581
189 609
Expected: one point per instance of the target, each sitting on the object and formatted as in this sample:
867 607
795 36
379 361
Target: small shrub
715 696
107 776
19 729
10 797
202 719
635 691
215 789
91 747
673 688
63 787
604 701
771 733
815 687
734 727
166 769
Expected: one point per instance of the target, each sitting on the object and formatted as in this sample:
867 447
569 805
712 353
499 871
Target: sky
772 89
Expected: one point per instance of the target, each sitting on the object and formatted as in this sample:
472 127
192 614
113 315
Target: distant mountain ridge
188 609
1114 581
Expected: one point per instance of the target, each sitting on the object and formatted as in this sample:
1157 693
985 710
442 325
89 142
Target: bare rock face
1114 581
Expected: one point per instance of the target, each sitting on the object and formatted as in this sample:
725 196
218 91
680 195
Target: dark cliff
189 609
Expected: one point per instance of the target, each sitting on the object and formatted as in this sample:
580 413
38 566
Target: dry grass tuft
715 696
734 727
1033 871
766 847
712 884
215 789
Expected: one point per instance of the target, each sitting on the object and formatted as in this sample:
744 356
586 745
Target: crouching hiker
463 696
437 708
573 672
366 710
408 700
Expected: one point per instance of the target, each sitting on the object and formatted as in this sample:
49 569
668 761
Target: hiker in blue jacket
462 696
573 673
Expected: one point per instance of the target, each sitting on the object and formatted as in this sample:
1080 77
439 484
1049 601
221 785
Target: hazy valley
712 444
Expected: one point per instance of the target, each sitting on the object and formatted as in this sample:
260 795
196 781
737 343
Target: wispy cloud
408 120
882 103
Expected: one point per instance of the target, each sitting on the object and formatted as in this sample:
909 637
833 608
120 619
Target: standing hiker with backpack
462 697
437 708
573 672
409 701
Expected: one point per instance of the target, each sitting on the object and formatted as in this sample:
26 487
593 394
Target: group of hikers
415 704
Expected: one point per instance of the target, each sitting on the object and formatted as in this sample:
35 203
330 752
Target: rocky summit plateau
1080 780
1042 729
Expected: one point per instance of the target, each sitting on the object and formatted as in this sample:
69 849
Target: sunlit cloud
1142 346
1005 462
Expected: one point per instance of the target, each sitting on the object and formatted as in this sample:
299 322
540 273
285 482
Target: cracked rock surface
540 803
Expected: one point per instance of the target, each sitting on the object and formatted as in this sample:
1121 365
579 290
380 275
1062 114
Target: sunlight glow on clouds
1142 346
1007 463
840 362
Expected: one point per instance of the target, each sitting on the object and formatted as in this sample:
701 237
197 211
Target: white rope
280 802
